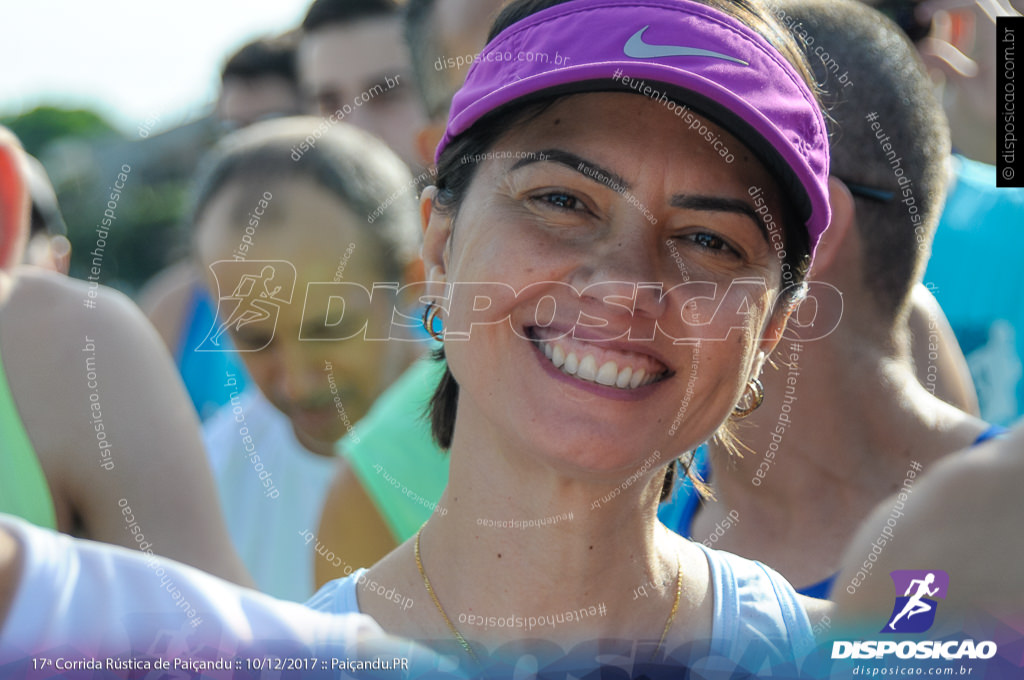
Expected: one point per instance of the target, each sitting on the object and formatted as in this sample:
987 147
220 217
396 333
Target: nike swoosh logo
637 49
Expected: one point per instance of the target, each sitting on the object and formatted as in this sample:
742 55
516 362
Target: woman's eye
560 201
711 242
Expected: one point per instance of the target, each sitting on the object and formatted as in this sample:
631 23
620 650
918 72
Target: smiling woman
588 194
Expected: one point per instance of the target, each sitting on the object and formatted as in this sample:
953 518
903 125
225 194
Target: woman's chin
600 453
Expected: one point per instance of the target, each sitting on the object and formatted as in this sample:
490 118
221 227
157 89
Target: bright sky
129 59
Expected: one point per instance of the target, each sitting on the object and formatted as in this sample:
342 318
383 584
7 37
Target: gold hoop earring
429 316
753 401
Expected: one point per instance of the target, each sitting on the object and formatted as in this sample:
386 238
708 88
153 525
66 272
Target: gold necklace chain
675 605
437 603
469 650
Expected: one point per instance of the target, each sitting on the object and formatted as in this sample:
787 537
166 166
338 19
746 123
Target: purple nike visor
694 54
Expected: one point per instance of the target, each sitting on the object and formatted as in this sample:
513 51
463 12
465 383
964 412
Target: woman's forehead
635 137
614 118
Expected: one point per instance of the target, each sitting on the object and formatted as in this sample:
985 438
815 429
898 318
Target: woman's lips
596 362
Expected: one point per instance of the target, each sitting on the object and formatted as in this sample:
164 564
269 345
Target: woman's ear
437 229
14 203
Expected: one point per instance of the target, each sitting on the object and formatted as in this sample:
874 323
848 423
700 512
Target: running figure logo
914 611
258 289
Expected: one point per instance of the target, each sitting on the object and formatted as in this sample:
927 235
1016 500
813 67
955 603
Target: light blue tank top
758 620
758 625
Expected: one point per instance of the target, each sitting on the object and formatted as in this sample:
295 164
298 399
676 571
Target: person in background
108 611
265 220
394 472
939 362
444 38
955 39
258 81
843 414
105 606
974 496
48 246
353 68
98 438
956 527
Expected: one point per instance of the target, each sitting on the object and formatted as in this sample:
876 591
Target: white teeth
608 373
571 364
588 368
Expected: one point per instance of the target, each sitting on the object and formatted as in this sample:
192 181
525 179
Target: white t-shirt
272 491
80 600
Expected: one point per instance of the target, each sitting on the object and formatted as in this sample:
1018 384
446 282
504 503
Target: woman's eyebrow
595 172
588 169
718 204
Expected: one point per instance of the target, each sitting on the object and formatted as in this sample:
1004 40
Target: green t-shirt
393 454
23 488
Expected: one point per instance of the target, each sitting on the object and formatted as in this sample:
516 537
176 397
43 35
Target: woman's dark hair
454 176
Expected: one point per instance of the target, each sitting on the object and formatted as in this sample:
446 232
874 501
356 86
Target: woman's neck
488 560
525 542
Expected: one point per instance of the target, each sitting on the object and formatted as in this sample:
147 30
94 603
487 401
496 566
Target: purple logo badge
917 592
